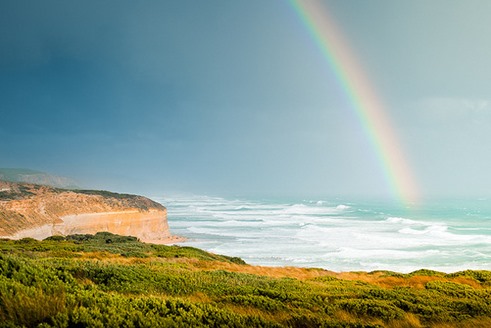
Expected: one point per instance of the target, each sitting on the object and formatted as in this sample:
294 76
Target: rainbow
367 105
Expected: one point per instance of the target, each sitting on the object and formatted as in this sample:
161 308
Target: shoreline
166 241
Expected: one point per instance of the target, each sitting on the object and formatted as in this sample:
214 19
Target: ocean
337 235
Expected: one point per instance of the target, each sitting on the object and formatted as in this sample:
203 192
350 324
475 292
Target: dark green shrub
450 288
479 275
80 238
372 308
259 302
27 240
55 238
427 273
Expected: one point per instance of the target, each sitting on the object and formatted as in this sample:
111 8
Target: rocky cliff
28 210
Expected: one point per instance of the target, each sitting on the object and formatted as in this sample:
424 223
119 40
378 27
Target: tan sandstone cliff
28 210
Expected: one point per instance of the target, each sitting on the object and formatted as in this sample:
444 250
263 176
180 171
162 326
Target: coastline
166 240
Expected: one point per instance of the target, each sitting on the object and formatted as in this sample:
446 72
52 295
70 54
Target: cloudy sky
234 97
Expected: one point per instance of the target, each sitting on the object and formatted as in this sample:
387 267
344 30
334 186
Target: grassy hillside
105 280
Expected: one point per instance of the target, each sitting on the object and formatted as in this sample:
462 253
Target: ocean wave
399 220
432 230
377 254
330 234
302 209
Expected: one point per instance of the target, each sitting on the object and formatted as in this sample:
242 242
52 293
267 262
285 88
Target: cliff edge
37 211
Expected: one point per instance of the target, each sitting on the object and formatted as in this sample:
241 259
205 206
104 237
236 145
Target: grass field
105 280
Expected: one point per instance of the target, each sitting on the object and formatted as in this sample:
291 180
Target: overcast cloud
233 97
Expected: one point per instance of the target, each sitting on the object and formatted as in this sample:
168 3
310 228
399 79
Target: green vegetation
106 280
129 200
105 193
21 192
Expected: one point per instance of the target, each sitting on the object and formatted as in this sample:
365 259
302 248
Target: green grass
106 280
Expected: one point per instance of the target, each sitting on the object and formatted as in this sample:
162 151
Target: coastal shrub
29 292
27 306
470 308
105 236
79 238
372 308
482 276
308 321
113 311
102 237
55 238
105 193
259 302
426 273
450 288
325 279
89 282
27 240
136 279
127 246
164 251
382 294
134 254
236 260
274 294
386 273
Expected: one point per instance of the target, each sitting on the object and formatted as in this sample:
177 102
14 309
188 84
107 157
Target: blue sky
233 97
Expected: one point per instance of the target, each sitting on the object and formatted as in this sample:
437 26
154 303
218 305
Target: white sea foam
378 254
402 221
331 235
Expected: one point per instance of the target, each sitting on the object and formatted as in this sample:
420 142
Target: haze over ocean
374 103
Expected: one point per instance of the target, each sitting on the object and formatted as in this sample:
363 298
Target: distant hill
36 177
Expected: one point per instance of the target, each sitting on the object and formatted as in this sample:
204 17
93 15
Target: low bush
84 280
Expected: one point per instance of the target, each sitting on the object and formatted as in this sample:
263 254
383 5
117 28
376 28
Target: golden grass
409 321
273 272
377 279
199 298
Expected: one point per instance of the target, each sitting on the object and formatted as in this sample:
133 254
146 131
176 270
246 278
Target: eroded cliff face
28 210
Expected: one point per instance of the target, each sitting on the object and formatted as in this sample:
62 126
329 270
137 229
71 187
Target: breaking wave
331 235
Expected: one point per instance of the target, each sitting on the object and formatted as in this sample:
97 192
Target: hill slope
114 281
28 210
35 177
